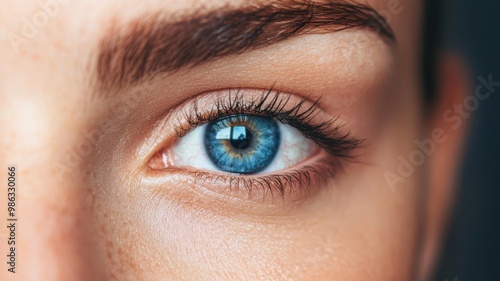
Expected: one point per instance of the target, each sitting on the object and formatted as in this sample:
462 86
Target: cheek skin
56 234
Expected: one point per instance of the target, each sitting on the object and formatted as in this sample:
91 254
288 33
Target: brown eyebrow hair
153 44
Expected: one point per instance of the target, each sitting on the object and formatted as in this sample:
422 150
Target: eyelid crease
272 104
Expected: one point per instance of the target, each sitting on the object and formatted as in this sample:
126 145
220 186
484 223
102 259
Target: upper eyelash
273 104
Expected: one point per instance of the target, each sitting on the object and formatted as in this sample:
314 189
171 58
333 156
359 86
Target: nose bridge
54 229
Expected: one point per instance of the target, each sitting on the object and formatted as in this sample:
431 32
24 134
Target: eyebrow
154 44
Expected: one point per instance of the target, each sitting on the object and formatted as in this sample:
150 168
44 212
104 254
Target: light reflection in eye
225 133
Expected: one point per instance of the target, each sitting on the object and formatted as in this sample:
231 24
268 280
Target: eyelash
327 135
272 105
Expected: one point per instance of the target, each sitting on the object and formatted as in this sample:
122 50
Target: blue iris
244 144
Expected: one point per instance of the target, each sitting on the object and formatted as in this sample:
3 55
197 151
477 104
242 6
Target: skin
104 216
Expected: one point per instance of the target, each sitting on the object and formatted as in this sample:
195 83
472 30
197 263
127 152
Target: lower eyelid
292 186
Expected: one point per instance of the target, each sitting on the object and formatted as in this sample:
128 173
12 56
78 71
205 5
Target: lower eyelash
280 184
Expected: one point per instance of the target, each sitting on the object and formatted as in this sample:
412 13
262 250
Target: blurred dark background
472 244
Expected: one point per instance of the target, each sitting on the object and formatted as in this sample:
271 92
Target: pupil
241 137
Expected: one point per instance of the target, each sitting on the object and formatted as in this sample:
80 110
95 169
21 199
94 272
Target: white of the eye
294 148
190 151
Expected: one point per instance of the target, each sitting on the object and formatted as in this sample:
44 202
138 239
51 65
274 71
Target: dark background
472 246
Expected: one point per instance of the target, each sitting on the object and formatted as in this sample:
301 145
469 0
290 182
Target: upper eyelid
231 103
163 134
327 132
255 104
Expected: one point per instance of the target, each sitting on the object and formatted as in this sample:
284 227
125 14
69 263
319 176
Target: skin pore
83 122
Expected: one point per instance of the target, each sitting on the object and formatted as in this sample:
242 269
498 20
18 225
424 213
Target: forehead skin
71 232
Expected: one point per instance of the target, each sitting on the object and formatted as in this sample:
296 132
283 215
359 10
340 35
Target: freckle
109 251
132 265
110 257
103 230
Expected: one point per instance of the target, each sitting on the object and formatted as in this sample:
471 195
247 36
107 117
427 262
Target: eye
243 144
246 139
